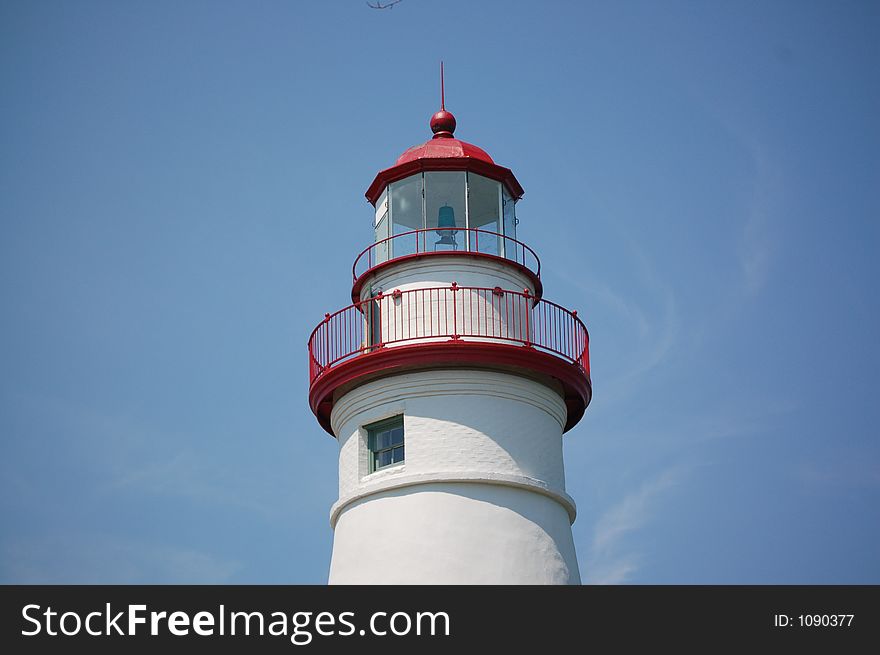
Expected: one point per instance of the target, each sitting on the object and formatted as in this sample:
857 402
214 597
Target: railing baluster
477 312
326 335
456 329
507 247
507 327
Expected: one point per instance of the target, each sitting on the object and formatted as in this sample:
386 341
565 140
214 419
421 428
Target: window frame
373 430
504 197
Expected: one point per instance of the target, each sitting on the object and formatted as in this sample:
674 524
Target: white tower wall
480 497
466 271
426 309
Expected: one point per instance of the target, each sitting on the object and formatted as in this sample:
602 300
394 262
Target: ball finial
443 124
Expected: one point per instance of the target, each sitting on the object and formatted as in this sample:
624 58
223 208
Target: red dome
443 149
443 153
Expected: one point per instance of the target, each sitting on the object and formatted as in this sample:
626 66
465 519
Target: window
484 208
445 207
385 442
509 214
406 214
381 227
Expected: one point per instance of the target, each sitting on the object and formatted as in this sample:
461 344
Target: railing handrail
517 243
534 337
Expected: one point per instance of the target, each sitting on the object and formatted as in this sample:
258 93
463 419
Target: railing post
508 248
326 341
510 323
455 335
585 357
378 319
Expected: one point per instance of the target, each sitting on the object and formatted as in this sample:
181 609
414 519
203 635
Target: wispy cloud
653 315
127 455
727 420
617 571
842 470
186 475
110 475
610 561
769 185
665 325
105 559
756 246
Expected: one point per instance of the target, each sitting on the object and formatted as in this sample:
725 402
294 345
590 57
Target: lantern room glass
484 213
447 206
445 210
381 227
406 214
508 212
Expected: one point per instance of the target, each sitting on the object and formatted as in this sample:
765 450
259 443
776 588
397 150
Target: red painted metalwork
442 89
443 122
359 283
575 384
443 152
417 242
457 311
443 148
443 125
433 318
444 155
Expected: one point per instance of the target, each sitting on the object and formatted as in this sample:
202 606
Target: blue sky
181 197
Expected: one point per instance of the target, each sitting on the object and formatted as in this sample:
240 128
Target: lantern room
444 195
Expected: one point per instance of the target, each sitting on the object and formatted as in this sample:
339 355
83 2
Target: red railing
451 313
453 239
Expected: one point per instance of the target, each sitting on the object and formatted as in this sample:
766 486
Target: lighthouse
449 383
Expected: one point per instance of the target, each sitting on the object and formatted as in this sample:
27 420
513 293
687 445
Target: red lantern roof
442 148
444 152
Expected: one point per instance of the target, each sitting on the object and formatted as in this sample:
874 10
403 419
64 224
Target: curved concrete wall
483 469
454 533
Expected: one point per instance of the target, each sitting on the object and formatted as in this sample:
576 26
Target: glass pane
381 226
483 213
387 441
383 458
406 214
396 436
509 223
444 209
397 454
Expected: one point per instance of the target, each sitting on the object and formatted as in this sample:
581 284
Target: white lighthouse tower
449 383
